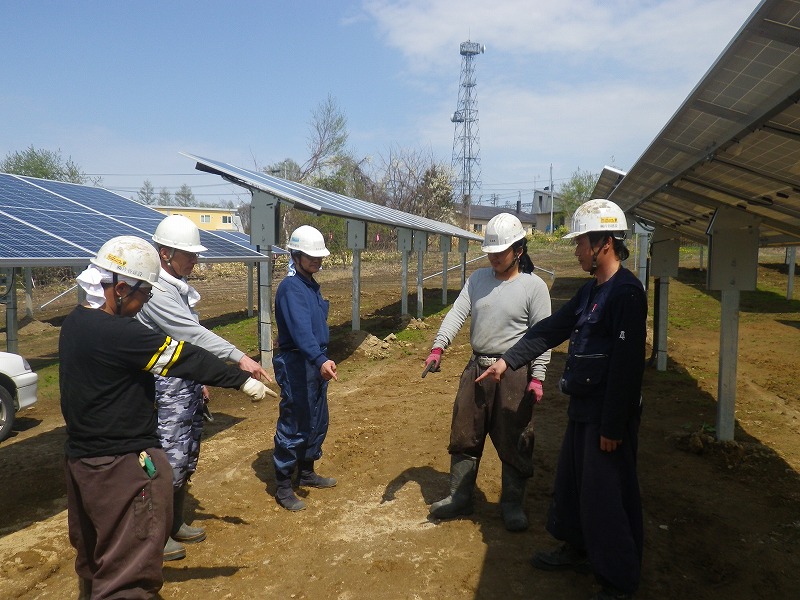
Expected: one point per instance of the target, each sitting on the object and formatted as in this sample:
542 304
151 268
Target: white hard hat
177 231
501 231
308 240
598 215
132 257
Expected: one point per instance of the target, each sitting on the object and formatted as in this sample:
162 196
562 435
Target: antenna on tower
466 142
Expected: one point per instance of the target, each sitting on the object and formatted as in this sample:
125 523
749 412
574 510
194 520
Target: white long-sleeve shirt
502 311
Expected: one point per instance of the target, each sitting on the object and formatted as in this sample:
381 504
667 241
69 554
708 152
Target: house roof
484 213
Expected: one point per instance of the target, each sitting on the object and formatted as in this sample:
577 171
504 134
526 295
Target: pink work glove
432 362
535 388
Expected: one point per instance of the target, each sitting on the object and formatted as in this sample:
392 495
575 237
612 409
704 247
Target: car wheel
7 413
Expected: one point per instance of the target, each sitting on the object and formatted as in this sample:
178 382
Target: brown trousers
501 410
119 520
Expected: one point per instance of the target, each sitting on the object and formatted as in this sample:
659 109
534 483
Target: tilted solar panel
45 222
239 237
322 201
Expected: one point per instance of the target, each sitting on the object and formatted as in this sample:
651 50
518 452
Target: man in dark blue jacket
302 369
596 508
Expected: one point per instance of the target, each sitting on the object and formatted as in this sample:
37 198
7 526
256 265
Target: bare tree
327 138
415 182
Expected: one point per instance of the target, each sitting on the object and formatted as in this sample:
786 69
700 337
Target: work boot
181 532
174 550
463 472
564 558
285 496
512 499
84 588
308 478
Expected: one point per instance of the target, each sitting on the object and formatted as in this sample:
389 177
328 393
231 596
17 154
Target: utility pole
551 198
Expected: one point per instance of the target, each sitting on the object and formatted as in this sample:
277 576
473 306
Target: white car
17 389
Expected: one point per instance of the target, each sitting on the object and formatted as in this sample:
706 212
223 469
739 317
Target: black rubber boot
84 589
564 558
512 499
181 532
463 473
308 478
285 496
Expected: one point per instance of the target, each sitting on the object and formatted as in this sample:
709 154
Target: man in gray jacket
180 401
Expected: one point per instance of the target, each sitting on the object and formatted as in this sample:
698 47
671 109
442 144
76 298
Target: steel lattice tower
466 143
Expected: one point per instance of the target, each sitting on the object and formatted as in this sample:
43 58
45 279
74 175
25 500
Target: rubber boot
174 550
181 532
308 478
284 494
463 472
512 498
84 588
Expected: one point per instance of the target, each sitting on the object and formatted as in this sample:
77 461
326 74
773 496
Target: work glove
535 388
432 362
256 390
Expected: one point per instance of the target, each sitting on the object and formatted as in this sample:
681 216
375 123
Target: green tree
147 194
164 197
185 197
45 164
575 191
287 169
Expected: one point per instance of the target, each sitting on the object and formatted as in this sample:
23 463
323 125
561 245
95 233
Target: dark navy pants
597 504
303 412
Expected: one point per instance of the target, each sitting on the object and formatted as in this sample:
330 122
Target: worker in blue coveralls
180 402
596 509
302 369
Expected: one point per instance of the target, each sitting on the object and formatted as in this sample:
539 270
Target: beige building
206 217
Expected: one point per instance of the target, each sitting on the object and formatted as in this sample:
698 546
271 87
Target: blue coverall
301 315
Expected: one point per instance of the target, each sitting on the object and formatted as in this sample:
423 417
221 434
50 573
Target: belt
485 361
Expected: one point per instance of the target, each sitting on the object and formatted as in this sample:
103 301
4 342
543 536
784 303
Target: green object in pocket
147 464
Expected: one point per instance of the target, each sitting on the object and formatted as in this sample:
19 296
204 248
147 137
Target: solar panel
321 201
53 223
239 237
735 140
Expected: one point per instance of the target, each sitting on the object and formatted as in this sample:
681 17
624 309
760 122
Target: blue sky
123 87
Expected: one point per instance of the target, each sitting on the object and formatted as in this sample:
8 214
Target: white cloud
577 83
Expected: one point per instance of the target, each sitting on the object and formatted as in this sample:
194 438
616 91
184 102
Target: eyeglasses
146 291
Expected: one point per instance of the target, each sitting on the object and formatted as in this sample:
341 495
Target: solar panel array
243 239
52 223
325 202
735 140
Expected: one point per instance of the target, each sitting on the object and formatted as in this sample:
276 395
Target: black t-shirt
106 379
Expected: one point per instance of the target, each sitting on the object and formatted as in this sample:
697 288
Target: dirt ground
722 520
